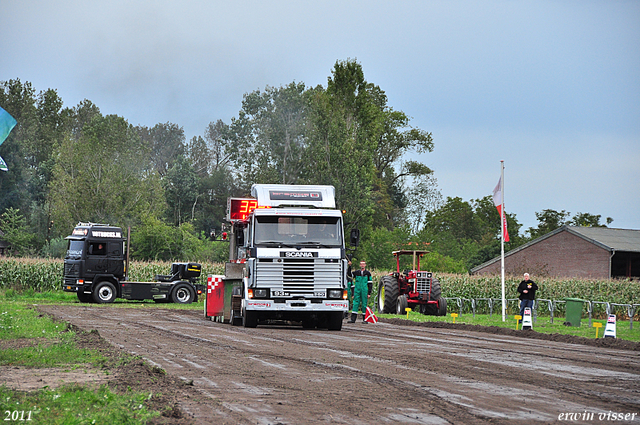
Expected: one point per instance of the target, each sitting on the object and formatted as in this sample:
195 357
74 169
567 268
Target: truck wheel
387 295
442 307
436 290
402 304
249 319
104 293
309 323
182 294
85 298
334 322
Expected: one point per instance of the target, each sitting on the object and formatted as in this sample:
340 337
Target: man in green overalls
361 291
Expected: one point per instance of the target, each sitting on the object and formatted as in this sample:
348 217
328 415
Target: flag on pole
7 122
370 317
498 201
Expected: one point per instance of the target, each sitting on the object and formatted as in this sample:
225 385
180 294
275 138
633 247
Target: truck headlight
261 293
335 293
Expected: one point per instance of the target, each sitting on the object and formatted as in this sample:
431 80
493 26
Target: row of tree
74 164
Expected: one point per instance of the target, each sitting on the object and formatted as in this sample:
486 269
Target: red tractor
409 288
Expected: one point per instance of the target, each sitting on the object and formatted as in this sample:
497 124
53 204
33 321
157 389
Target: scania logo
298 254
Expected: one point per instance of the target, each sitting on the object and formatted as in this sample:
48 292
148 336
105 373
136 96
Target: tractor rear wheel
436 291
402 305
387 295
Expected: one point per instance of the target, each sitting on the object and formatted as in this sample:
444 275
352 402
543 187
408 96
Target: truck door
115 258
96 262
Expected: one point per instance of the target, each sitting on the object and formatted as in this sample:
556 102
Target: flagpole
504 304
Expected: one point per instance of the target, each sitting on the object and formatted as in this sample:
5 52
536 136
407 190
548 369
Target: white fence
552 306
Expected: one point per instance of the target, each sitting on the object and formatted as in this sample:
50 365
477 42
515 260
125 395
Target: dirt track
382 373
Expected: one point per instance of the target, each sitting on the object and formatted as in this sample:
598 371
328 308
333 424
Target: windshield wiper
279 244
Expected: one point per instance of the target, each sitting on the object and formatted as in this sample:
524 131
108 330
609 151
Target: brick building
570 251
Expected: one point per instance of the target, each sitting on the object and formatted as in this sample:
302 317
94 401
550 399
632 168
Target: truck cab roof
279 195
95 230
305 212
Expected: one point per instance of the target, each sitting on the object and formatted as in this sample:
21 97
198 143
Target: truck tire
104 293
183 294
436 290
387 295
85 298
309 323
442 307
249 319
334 321
401 305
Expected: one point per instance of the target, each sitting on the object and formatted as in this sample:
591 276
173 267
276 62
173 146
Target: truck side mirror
354 238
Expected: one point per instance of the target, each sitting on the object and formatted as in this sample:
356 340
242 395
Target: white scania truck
287 259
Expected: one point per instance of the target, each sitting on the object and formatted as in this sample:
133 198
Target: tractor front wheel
402 305
387 295
442 307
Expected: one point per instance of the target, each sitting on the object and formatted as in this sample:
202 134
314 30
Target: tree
166 142
16 232
422 197
19 100
588 220
104 174
468 231
548 220
181 191
342 141
269 135
41 123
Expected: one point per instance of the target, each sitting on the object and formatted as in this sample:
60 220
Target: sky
552 88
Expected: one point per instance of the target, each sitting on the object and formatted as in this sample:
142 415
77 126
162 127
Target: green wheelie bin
574 311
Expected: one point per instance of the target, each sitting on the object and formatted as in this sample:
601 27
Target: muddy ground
384 373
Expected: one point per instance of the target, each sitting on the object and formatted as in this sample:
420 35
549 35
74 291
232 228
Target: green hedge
46 274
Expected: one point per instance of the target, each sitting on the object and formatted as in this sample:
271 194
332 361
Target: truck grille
299 277
423 281
71 270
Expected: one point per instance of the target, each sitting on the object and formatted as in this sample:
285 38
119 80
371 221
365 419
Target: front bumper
296 305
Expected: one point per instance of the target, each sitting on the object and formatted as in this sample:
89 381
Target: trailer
96 267
287 260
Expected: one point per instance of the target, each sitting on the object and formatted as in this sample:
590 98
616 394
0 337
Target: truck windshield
75 249
284 231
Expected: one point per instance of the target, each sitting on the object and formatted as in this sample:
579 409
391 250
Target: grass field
51 344
542 324
55 346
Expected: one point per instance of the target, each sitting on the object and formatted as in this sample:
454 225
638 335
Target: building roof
612 239
606 238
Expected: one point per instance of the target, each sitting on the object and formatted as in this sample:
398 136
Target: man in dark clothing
361 291
527 290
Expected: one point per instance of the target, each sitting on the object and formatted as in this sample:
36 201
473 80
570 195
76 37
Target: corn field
557 289
46 274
